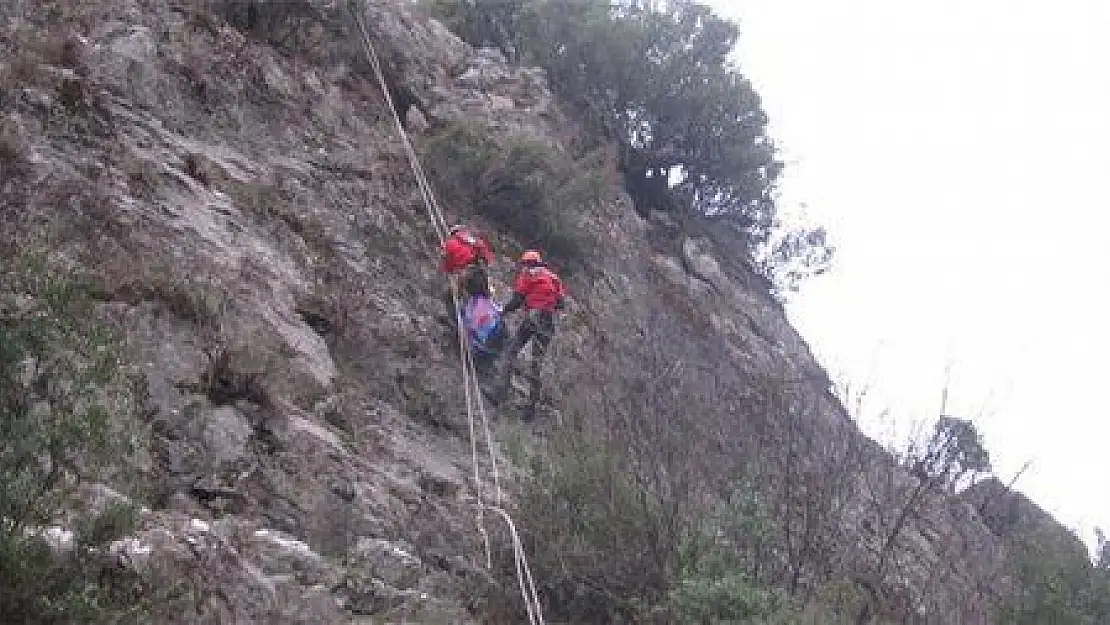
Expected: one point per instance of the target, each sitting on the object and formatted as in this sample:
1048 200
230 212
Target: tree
952 456
655 77
792 256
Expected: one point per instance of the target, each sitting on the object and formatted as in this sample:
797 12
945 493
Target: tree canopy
654 76
953 455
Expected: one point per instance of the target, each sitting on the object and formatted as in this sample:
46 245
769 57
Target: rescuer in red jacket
540 291
466 258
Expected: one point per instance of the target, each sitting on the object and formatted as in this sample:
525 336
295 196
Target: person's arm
561 302
514 302
520 287
485 252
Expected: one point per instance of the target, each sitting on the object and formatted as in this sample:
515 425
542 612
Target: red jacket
462 249
538 288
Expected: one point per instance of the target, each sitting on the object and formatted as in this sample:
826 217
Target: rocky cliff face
257 234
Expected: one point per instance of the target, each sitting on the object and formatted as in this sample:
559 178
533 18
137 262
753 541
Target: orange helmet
530 256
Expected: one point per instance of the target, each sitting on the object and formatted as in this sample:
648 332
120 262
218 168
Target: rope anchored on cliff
475 406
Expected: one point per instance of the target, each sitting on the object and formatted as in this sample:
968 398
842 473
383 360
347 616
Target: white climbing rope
471 390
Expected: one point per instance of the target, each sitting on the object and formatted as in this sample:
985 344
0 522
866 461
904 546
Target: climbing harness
471 390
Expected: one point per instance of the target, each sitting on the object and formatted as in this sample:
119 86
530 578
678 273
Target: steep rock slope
257 233
259 239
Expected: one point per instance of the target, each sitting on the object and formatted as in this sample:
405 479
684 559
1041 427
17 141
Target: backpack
481 318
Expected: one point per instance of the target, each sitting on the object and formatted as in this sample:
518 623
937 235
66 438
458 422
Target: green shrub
594 536
63 411
729 598
1054 583
531 188
605 547
458 156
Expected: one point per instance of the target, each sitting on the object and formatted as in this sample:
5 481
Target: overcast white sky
957 151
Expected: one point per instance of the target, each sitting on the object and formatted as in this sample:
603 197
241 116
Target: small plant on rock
63 406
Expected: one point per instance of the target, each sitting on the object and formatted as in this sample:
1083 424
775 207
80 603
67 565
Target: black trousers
538 328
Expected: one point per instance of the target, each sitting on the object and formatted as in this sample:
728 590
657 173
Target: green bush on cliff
61 398
595 537
529 187
604 546
1056 585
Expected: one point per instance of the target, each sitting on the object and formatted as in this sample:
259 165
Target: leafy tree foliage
656 77
794 255
952 455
